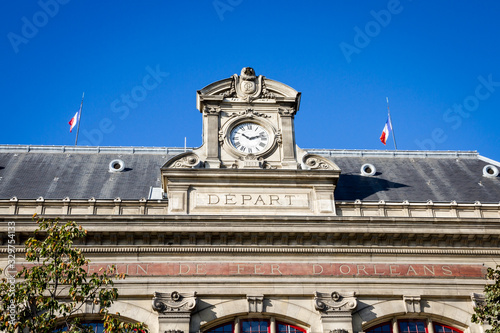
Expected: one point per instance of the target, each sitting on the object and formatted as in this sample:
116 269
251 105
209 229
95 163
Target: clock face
249 138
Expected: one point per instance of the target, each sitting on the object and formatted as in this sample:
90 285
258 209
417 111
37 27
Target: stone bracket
255 304
412 304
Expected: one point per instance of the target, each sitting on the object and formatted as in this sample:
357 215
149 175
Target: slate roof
29 172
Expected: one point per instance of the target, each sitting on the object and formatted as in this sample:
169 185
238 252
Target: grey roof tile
53 173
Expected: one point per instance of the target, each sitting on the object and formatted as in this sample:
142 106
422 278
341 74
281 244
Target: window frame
454 329
279 322
267 320
389 322
271 320
414 320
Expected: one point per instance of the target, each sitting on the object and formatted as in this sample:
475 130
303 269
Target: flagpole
79 117
390 121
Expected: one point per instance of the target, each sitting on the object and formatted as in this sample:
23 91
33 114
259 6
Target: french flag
74 120
386 132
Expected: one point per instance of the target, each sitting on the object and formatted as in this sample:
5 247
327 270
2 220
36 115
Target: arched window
256 326
97 327
439 328
287 328
224 328
381 328
411 326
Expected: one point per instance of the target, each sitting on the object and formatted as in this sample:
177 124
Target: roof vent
116 166
368 169
490 171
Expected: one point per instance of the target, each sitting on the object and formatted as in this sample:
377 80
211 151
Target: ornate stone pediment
174 303
247 87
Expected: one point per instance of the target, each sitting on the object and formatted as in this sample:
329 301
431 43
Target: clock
249 138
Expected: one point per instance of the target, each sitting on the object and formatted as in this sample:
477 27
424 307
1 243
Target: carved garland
249 113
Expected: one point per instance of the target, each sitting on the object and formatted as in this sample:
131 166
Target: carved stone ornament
187 160
412 304
335 302
339 330
477 299
174 303
250 113
315 162
221 137
290 112
211 110
247 86
255 304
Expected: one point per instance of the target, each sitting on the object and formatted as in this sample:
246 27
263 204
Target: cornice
158 209
280 250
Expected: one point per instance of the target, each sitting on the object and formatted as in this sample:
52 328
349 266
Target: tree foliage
488 312
53 287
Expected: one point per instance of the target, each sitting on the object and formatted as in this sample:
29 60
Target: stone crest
247 86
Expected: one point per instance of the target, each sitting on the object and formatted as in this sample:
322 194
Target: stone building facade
251 234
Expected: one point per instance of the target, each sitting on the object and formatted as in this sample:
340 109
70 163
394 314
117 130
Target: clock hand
246 136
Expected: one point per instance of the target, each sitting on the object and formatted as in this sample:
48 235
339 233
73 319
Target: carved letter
180 269
375 271
289 197
361 268
210 196
275 267
200 269
273 198
446 270
245 197
342 271
142 269
410 268
259 199
393 268
258 269
230 198
430 270
315 272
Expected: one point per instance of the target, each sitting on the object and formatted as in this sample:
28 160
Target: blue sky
437 61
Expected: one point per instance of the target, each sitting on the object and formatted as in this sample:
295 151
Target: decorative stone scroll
335 304
255 304
187 160
412 304
336 310
316 162
174 304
